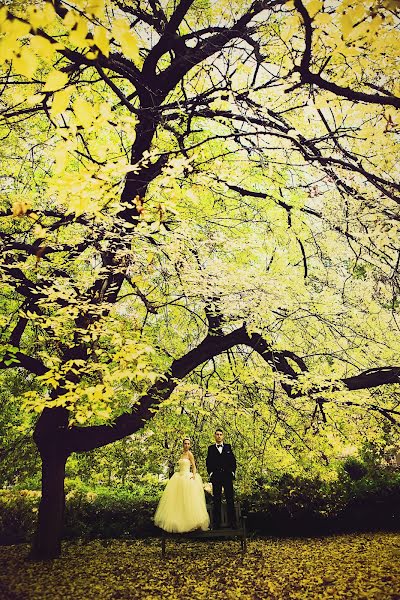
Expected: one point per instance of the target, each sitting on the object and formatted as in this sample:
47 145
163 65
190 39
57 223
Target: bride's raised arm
191 458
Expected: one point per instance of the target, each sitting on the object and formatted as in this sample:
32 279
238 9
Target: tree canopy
200 208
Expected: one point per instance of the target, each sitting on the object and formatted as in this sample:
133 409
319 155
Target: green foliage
108 513
298 505
19 459
90 513
354 468
286 505
18 512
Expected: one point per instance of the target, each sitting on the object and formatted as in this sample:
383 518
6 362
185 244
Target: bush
105 513
285 506
89 513
354 468
300 506
18 511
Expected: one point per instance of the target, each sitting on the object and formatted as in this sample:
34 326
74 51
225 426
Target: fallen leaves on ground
359 566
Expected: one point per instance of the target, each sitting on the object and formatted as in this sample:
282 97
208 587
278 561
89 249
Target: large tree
186 178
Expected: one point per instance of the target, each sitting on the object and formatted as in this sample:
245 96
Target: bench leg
244 535
163 546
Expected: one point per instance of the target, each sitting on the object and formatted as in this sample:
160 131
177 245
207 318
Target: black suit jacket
221 464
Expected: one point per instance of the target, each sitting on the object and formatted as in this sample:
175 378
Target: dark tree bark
50 439
47 541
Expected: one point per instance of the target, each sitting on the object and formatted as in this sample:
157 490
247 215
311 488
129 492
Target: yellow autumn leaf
77 204
25 63
92 55
127 39
314 7
48 14
346 24
290 28
359 11
39 231
60 101
39 18
42 47
77 37
101 41
95 7
55 81
3 15
320 102
375 24
80 417
83 111
322 19
92 7
35 99
14 29
6 51
70 19
130 47
60 158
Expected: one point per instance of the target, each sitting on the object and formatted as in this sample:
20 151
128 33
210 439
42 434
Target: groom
221 467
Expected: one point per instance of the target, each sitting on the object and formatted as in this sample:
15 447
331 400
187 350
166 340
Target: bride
183 506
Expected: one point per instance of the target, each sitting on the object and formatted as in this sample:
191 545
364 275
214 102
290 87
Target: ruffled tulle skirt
182 506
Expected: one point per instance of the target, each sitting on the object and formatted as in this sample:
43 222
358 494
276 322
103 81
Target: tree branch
19 359
315 78
81 439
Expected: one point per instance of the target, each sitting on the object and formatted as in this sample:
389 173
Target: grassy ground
356 567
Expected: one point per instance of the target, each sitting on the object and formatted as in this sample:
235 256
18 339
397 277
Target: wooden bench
223 532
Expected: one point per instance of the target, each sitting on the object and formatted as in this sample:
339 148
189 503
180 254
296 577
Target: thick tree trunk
50 438
47 541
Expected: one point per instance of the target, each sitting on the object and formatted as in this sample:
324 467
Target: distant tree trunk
47 541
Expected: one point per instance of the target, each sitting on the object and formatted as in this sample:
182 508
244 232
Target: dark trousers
219 481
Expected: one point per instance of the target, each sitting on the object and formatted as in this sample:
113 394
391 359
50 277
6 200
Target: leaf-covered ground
356 567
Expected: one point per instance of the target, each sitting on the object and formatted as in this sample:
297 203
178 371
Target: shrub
301 506
18 510
354 468
89 513
287 505
105 513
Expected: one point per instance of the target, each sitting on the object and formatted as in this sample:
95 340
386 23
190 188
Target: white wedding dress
182 506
